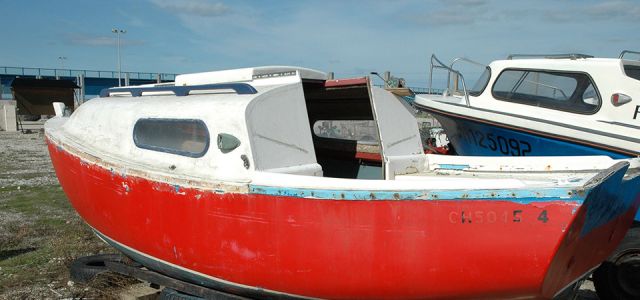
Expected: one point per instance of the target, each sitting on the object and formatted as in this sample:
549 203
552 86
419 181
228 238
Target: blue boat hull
483 139
477 138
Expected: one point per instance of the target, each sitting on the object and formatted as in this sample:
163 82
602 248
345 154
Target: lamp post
118 32
62 59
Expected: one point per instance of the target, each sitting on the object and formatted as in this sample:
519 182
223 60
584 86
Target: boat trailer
84 269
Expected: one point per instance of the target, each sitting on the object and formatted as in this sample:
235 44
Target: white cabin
264 117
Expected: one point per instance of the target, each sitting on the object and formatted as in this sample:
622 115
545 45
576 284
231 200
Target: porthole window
566 91
186 137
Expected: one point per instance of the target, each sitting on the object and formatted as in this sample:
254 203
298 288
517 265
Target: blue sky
350 38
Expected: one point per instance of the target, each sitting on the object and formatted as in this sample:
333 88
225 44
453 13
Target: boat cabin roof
569 64
255 75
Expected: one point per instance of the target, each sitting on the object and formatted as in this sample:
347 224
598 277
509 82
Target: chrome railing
454 61
463 59
556 56
627 51
436 63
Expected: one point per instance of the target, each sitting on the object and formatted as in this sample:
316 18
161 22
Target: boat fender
58 108
227 142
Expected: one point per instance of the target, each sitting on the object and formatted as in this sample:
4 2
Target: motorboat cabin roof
560 61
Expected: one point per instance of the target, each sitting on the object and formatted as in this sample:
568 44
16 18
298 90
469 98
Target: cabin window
566 91
186 137
348 148
481 83
632 71
364 131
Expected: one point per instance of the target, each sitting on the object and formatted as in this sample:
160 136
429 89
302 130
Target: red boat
223 180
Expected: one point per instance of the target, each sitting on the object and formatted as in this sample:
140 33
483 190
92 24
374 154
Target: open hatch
356 127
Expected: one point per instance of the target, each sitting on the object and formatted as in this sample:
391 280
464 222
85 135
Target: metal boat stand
84 269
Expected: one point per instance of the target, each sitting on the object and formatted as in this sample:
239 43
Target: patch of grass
23 175
16 232
40 246
35 200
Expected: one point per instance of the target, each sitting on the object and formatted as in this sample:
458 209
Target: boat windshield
632 71
481 83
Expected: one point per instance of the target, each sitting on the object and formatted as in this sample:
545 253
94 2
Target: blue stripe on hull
522 196
480 139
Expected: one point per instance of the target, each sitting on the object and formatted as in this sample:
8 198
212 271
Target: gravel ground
25 161
40 233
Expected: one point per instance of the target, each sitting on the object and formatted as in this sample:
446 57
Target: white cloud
132 19
452 13
465 3
193 7
101 41
614 11
92 41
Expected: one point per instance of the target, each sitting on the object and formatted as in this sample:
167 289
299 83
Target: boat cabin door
397 128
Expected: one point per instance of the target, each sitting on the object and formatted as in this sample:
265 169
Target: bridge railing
48 72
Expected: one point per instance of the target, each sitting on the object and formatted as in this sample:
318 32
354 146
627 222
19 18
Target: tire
619 276
85 269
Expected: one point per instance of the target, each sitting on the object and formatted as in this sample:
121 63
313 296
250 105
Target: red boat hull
260 244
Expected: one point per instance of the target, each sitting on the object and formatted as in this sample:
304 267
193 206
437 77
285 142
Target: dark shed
35 96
